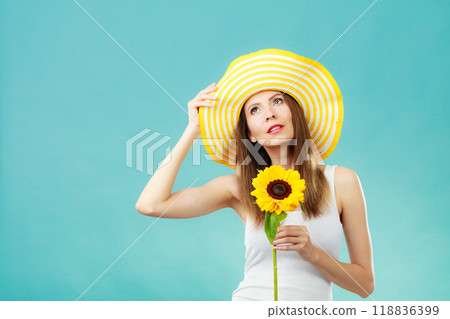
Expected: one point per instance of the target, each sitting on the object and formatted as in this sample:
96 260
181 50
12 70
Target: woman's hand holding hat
198 101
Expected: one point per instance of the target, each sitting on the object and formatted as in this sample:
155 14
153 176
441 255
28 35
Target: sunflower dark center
279 189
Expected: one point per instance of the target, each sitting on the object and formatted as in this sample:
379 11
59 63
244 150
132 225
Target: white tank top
297 279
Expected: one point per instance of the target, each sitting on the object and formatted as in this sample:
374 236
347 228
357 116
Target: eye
277 99
251 110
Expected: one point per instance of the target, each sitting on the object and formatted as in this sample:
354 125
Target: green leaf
271 224
254 202
282 216
303 208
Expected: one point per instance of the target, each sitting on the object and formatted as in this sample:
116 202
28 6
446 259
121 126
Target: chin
278 140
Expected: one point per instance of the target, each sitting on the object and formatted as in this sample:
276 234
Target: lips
275 128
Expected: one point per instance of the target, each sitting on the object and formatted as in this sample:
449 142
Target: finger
304 230
207 97
210 88
285 231
292 227
288 240
280 233
197 104
284 228
286 247
287 227
295 232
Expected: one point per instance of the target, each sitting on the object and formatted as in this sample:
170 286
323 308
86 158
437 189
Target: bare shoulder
345 173
345 178
347 186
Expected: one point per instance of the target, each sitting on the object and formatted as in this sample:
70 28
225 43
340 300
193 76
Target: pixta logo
141 148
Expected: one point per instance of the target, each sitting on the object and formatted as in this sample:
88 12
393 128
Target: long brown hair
317 193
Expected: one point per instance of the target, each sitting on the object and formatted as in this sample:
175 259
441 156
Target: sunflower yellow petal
287 175
281 171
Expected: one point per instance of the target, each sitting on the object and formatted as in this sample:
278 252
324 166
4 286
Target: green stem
275 285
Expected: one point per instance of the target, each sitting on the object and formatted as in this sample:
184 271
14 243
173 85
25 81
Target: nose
269 114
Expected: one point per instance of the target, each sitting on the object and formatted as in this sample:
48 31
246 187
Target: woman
273 107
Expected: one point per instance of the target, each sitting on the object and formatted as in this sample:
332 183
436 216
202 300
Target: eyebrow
257 103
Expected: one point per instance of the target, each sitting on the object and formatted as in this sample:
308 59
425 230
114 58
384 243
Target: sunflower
278 190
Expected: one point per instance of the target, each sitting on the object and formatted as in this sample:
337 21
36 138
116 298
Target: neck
279 156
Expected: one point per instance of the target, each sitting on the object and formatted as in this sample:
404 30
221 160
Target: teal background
70 97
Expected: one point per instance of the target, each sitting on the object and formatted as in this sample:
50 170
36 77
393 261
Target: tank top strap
329 174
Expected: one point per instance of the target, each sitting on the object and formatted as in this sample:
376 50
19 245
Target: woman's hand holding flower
298 237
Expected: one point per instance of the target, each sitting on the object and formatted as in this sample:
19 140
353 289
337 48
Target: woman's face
263 111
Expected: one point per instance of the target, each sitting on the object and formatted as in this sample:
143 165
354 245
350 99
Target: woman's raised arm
157 198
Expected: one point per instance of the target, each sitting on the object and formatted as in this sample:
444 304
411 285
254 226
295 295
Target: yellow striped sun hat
306 80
